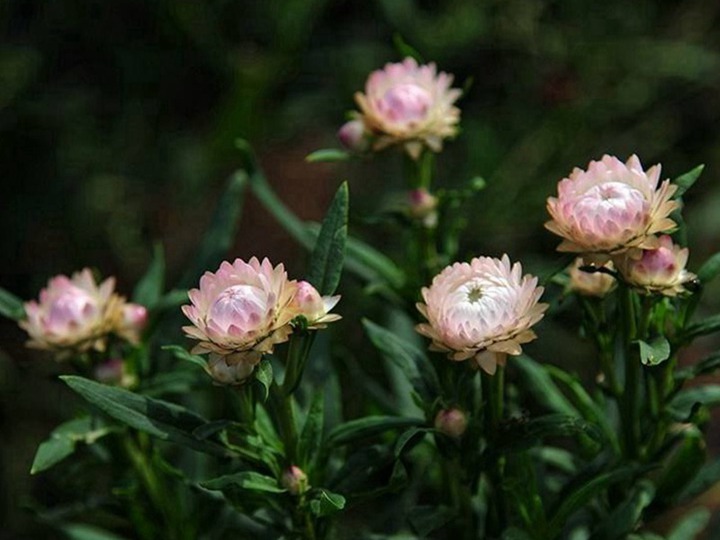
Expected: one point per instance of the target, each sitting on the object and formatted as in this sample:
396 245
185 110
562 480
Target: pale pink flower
661 270
590 283
352 136
611 208
295 480
315 308
408 104
451 422
133 321
481 310
73 315
240 313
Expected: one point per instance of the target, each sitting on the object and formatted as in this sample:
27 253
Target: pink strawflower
408 104
481 310
133 321
240 313
611 208
451 422
352 136
590 283
73 315
660 270
315 308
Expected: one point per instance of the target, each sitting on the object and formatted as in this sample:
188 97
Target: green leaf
542 387
706 477
172 300
11 306
409 438
426 519
245 481
63 440
704 367
682 466
264 376
82 531
326 262
311 437
413 362
325 503
709 270
182 354
405 50
149 289
572 502
513 533
652 354
221 233
691 525
685 181
703 328
626 516
161 419
367 427
327 155
520 435
681 406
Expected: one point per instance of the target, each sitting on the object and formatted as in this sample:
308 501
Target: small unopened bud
423 206
231 369
352 136
295 480
451 422
113 372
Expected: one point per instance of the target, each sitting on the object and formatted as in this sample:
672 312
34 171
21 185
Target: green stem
285 417
298 352
630 409
493 392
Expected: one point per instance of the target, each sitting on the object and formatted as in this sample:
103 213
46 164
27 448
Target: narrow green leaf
246 481
691 525
182 354
369 426
220 234
326 262
625 517
654 353
409 438
542 387
710 269
171 300
706 477
685 181
11 306
521 435
426 519
149 289
702 328
325 503
51 452
264 376
161 419
572 502
327 155
311 437
513 533
704 367
682 466
83 531
63 440
683 403
405 50
413 362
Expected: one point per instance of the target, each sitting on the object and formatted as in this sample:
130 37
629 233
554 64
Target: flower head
133 321
611 208
315 308
409 104
451 422
482 310
661 270
422 206
74 314
240 313
590 283
352 136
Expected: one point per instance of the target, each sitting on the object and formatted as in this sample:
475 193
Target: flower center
474 294
242 306
70 309
407 102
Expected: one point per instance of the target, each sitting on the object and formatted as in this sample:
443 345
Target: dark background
117 122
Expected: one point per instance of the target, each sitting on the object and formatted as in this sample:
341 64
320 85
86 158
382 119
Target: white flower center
407 103
243 306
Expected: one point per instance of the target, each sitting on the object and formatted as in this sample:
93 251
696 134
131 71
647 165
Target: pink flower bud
352 136
312 306
590 283
451 422
295 480
482 310
134 319
661 270
611 208
113 372
423 206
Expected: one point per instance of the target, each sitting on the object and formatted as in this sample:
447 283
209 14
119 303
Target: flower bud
423 206
352 136
309 304
295 480
113 372
451 422
590 283
232 369
134 319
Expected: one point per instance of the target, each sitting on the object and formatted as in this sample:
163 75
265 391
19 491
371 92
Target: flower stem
284 413
630 410
493 393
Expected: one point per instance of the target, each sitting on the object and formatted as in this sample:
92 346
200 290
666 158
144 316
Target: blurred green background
117 122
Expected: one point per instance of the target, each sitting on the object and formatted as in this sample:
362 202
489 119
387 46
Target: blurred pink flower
661 270
240 313
611 208
73 315
423 207
408 104
482 310
352 136
114 372
590 283
133 321
313 307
